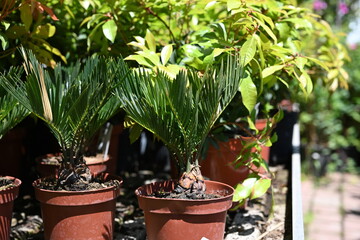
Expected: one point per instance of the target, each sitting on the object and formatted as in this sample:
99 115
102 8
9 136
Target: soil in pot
9 190
84 214
179 219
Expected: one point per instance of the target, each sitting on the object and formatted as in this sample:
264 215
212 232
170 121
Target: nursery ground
251 223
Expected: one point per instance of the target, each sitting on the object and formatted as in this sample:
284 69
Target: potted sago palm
74 102
11 113
181 112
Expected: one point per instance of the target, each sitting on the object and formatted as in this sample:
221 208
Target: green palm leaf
11 112
73 101
182 111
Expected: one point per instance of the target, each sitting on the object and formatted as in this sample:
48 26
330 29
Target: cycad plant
74 102
181 111
11 112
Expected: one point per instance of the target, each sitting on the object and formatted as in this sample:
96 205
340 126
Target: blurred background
330 132
68 30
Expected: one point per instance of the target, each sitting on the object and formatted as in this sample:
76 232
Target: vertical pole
297 214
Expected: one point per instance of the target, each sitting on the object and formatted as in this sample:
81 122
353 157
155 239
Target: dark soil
185 195
6 183
252 223
52 184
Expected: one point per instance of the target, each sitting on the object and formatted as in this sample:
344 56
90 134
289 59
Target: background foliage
287 49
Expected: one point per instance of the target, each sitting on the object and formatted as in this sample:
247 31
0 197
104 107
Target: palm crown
74 102
181 112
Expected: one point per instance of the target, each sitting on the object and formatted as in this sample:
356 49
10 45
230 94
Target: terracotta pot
179 219
78 214
96 165
7 198
218 163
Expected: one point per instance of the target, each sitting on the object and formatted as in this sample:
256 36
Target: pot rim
224 197
40 158
83 191
17 182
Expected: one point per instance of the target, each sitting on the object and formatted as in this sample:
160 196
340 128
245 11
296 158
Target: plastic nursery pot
78 214
46 167
7 198
218 163
179 219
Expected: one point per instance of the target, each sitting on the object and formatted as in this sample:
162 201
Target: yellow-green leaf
150 55
267 30
248 50
166 53
139 59
87 19
319 62
233 4
45 31
270 70
260 188
252 124
85 3
243 191
4 42
26 15
140 40
333 73
110 30
301 62
138 45
171 70
150 40
248 93
50 48
218 51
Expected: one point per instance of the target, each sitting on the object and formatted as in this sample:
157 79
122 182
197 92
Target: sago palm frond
11 112
73 101
182 111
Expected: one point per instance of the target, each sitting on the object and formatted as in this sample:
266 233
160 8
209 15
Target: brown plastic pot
78 214
218 163
7 198
96 165
179 219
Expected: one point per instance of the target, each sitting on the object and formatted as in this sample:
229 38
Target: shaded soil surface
184 195
251 223
51 184
6 183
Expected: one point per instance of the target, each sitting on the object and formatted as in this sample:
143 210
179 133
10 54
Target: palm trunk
191 180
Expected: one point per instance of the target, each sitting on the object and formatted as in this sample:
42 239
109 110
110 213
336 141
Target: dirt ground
255 222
